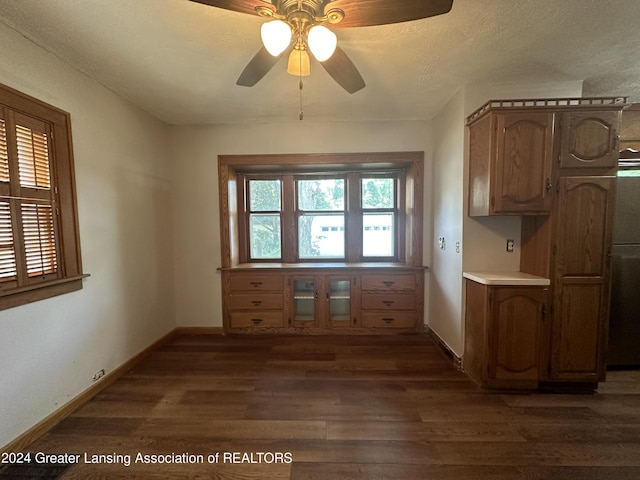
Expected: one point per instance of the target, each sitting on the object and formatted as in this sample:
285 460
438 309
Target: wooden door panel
584 224
523 165
576 346
589 139
514 343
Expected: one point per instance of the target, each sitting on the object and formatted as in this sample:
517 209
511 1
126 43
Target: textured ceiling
179 60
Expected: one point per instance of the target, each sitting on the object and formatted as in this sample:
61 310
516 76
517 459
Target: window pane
264 195
378 193
321 236
321 194
377 235
264 232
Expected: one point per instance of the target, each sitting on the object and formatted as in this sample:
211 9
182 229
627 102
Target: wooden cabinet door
305 310
524 150
515 327
590 139
341 301
582 247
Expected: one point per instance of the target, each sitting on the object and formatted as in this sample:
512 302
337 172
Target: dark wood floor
343 408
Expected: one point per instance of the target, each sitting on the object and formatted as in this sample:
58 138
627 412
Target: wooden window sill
21 296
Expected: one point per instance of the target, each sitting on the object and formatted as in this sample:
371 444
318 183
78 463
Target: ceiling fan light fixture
299 64
276 36
322 42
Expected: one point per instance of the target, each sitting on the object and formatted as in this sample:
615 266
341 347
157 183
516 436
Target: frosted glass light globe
276 36
322 42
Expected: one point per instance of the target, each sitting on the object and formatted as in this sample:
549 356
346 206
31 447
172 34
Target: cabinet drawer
392 319
393 301
255 301
386 283
256 319
256 283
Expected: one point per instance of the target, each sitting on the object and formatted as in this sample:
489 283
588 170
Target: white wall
50 350
196 207
446 271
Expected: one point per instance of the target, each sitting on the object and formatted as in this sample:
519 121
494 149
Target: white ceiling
179 60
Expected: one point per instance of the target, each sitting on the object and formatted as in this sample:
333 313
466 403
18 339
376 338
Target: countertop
506 278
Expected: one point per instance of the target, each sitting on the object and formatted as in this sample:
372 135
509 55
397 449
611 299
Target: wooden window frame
61 196
407 167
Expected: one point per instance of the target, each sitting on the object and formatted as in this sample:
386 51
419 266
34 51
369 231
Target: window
320 217
265 206
39 248
329 207
379 216
326 227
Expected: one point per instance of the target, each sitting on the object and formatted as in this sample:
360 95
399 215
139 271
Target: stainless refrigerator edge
624 326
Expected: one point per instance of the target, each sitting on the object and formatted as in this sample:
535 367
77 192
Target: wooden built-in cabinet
510 171
390 301
516 148
590 139
569 240
255 301
359 294
504 326
299 299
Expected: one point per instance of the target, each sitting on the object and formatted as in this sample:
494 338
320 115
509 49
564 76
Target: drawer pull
256 303
388 283
388 303
388 320
256 321
255 284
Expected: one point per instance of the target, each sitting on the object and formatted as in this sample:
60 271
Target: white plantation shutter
8 268
39 239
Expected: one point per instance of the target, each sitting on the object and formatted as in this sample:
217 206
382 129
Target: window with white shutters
39 245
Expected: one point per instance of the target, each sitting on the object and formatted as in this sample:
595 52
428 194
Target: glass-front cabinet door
339 296
305 295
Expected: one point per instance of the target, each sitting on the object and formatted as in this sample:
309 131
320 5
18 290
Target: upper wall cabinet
589 139
514 146
510 166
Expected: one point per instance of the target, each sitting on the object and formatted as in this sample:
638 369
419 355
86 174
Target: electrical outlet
98 375
441 243
510 245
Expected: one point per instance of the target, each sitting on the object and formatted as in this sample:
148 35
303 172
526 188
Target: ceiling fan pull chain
300 86
301 112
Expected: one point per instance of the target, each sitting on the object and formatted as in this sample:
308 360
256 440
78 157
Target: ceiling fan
297 26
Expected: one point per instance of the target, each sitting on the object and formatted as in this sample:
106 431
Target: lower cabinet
255 301
327 300
504 328
389 301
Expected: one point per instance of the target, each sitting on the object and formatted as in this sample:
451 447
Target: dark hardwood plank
394 471
345 407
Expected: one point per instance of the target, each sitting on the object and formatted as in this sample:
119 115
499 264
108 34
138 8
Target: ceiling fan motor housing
302 14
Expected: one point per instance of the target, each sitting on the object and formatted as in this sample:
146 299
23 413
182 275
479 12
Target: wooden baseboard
199 331
20 443
455 359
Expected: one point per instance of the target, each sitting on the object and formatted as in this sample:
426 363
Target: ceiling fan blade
343 71
257 68
364 13
242 6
